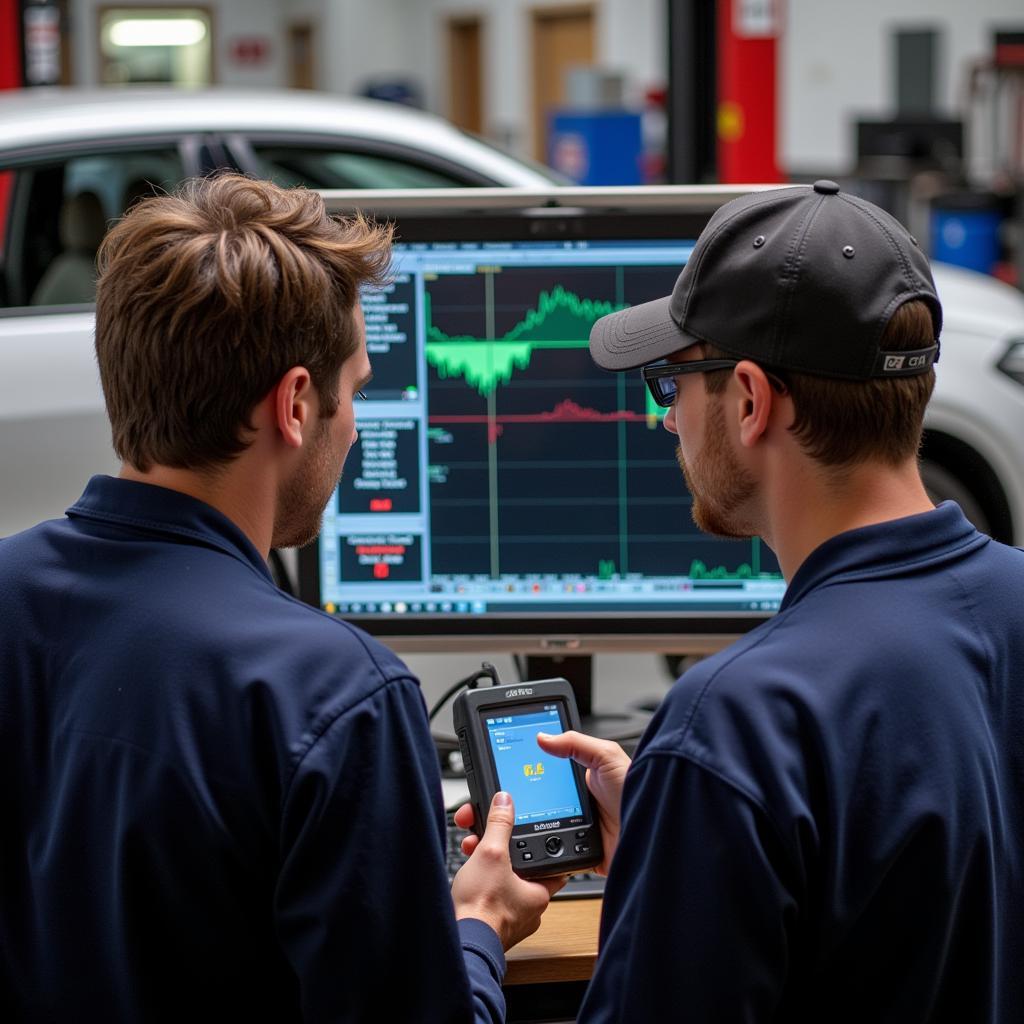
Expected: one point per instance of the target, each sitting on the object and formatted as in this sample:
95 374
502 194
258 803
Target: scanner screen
543 786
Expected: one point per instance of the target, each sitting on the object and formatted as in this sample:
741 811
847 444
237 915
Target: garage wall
375 39
837 63
835 57
629 40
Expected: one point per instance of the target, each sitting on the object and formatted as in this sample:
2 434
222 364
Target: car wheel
942 485
953 470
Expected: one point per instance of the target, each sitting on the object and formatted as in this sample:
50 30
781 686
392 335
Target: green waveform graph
561 320
700 571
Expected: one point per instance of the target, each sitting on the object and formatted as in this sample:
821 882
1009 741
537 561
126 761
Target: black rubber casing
556 847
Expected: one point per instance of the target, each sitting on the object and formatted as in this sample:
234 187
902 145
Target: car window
6 188
54 213
289 165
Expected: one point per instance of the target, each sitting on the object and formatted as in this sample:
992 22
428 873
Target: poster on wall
41 28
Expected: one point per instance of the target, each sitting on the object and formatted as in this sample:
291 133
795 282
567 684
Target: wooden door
465 88
562 38
301 65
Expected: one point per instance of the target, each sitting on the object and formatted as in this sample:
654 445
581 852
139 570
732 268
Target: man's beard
301 505
720 486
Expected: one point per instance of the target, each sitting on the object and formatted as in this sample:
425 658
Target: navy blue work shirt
825 821
216 801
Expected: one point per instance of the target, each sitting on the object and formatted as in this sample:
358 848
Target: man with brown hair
218 802
825 821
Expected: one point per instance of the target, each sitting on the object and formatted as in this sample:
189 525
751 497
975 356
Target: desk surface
564 948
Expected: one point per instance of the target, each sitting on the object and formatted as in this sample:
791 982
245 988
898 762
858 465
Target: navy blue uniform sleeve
485 962
362 907
696 913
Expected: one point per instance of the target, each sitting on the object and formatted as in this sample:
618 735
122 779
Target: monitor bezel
670 212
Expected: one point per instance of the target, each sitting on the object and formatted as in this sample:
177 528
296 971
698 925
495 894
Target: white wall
633 40
837 63
363 39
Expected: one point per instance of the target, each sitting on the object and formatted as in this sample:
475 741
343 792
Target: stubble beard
301 504
721 488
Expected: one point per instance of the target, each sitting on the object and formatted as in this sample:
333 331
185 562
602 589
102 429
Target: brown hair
207 296
844 422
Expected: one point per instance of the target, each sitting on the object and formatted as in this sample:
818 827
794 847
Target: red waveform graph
566 411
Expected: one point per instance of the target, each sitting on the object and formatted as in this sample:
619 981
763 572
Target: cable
486 670
448 746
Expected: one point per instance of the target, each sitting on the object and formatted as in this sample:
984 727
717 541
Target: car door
55 205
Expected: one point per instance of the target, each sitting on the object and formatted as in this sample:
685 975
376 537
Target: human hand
487 889
606 763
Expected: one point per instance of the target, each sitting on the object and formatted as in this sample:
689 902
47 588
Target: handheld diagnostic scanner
556 830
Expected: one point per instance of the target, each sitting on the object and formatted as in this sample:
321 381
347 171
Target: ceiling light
157 32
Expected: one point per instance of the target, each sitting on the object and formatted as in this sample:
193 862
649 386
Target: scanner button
553 845
527 856
520 844
582 848
582 834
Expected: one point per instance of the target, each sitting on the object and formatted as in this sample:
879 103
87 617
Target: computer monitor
506 494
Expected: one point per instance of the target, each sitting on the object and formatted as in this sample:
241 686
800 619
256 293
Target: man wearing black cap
824 822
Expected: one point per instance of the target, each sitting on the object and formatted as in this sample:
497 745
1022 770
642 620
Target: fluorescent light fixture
157 32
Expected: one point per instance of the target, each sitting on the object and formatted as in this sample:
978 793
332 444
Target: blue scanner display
543 787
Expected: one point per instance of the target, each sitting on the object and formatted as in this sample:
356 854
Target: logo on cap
895 363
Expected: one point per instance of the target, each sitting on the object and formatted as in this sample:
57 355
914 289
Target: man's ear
753 402
293 405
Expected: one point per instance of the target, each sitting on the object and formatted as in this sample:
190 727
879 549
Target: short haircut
841 423
207 296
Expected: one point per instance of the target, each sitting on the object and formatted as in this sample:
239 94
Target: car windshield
289 165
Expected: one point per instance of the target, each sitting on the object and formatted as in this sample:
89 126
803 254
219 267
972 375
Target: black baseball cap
803 278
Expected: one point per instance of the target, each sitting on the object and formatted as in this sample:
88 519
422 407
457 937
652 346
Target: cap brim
637 336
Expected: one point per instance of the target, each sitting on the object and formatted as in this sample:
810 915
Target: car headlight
1012 363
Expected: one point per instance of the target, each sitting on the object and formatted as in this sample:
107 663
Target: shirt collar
160 510
888 547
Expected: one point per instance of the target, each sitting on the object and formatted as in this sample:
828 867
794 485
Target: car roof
42 117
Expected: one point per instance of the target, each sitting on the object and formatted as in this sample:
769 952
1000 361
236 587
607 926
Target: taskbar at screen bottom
439 609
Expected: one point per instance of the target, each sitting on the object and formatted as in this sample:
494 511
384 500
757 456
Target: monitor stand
622 726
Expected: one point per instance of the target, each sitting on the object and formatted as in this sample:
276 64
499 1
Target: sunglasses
661 378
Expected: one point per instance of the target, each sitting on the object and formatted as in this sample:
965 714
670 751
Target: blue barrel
965 230
601 147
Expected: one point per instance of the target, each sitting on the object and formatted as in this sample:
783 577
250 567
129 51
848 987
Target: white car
112 146
72 160
974 425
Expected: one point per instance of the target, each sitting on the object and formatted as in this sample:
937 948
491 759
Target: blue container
602 147
965 230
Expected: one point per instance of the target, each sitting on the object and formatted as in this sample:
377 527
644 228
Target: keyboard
583 885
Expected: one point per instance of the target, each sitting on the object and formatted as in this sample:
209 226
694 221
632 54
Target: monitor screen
502 484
